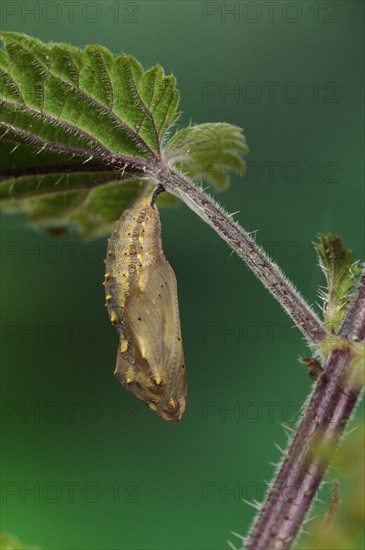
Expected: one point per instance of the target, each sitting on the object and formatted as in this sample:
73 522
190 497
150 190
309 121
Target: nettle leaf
83 133
208 152
341 272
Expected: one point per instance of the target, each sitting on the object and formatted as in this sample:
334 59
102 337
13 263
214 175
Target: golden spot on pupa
108 298
157 381
152 406
115 231
110 252
123 346
113 317
107 275
129 381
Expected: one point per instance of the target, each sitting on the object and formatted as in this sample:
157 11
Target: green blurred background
105 472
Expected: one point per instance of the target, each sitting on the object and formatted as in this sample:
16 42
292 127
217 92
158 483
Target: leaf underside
208 152
82 132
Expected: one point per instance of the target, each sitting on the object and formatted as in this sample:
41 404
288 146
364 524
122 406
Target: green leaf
83 134
93 212
208 152
341 272
75 125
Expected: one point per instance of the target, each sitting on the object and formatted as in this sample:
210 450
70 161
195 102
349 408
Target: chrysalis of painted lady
141 297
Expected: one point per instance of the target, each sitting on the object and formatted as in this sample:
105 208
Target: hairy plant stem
245 246
325 417
353 326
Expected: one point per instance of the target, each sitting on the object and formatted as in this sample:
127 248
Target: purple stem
329 409
353 326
